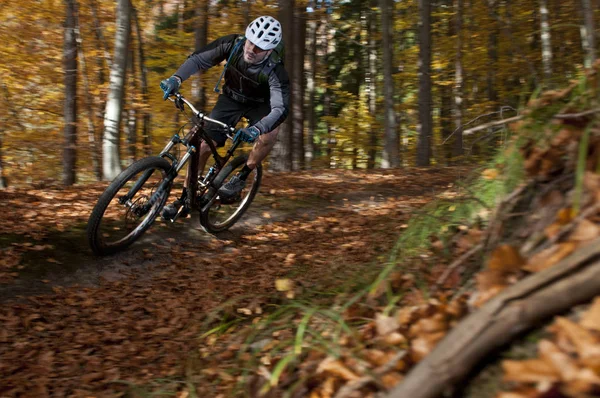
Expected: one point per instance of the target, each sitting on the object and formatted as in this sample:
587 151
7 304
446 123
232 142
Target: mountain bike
135 198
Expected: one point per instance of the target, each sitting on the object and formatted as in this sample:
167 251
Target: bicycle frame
192 142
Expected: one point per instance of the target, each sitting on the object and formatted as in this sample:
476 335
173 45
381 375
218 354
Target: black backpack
276 58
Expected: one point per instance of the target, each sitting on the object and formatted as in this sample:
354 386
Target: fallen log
574 280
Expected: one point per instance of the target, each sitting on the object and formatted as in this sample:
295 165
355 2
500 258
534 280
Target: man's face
253 54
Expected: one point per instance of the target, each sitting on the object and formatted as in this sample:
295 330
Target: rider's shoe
232 188
170 211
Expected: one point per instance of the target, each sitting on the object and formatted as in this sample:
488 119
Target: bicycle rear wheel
129 205
220 215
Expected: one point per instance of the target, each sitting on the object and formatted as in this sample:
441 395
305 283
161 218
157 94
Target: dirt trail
72 323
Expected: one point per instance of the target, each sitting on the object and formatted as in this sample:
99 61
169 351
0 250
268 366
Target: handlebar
200 115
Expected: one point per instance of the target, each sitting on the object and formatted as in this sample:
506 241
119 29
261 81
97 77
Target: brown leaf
587 346
585 231
560 361
529 371
390 379
591 318
591 181
505 258
336 367
385 324
550 256
423 345
395 338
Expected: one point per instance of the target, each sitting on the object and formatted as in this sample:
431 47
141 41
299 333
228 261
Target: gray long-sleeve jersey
243 81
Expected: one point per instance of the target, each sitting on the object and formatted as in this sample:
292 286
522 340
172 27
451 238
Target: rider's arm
211 55
279 87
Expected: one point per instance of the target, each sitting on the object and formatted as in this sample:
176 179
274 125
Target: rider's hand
248 134
170 86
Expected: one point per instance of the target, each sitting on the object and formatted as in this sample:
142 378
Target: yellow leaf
284 285
490 174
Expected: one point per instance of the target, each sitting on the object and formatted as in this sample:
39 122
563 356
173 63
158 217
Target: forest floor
77 325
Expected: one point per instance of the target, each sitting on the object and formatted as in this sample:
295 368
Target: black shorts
230 111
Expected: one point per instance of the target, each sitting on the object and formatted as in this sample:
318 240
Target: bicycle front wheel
129 205
220 215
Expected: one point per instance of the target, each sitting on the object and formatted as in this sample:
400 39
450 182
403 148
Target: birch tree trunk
70 106
588 33
546 42
391 150
425 117
111 166
297 114
311 116
458 82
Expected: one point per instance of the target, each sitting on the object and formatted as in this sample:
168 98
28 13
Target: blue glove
248 134
170 86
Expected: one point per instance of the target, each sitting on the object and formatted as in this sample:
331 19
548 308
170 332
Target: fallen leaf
490 174
591 318
284 285
585 231
385 324
505 258
550 256
336 367
529 371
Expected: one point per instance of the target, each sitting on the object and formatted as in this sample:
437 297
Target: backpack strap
275 59
239 41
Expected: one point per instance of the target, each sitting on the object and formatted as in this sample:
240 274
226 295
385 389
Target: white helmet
264 32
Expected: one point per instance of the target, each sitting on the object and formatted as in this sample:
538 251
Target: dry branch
576 279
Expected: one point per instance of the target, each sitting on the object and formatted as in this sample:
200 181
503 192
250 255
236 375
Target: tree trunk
391 149
371 81
131 112
457 149
246 13
147 116
328 96
3 181
112 117
297 114
201 40
588 33
311 116
100 36
492 53
281 155
425 116
89 101
546 42
574 280
70 106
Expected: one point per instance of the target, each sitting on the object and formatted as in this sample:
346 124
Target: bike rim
221 214
121 222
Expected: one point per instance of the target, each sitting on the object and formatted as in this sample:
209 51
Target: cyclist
256 87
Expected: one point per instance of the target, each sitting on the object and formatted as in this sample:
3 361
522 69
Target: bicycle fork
164 184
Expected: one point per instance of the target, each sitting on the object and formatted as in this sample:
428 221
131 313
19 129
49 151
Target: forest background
374 83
